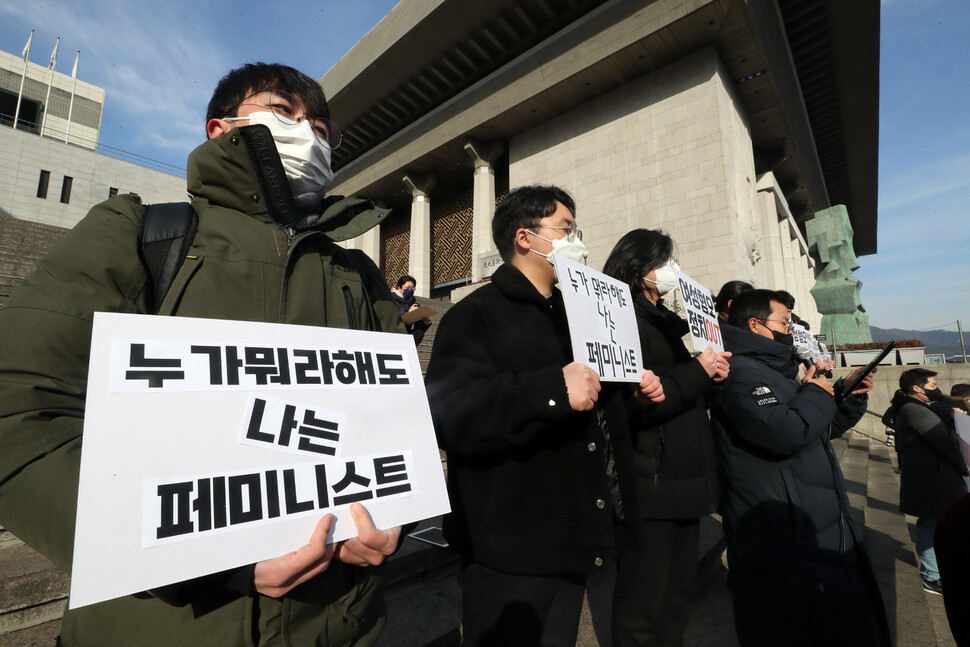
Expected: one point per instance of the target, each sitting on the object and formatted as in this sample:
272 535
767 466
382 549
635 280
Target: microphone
804 355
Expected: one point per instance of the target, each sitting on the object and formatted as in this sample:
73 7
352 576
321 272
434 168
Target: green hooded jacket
248 262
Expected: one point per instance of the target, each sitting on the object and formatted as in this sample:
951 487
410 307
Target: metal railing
90 144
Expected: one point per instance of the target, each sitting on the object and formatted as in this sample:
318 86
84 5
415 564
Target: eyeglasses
572 232
286 107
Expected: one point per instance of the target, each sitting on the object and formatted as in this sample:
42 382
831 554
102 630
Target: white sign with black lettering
211 444
705 329
803 339
602 323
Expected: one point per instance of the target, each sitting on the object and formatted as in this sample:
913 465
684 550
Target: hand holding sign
582 386
723 367
707 358
650 389
276 577
371 545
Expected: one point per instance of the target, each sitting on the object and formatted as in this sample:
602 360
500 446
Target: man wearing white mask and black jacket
539 460
264 251
798 569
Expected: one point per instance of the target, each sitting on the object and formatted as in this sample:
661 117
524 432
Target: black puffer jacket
673 443
783 497
931 466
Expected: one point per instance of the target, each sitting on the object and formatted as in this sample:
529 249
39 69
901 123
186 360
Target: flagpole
20 95
50 82
70 111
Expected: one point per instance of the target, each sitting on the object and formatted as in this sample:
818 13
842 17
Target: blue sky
159 62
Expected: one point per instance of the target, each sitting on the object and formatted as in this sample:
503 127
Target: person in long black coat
674 453
931 467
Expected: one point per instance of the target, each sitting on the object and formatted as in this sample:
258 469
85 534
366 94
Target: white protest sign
804 339
962 423
705 329
211 444
602 324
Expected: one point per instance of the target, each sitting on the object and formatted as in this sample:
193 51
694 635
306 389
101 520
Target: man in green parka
264 251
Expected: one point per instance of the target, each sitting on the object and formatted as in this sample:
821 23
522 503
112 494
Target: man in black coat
931 467
798 570
539 467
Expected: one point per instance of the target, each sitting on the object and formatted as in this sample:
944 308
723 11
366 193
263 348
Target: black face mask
783 338
935 395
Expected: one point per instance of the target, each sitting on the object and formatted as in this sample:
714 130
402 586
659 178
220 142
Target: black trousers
654 584
519 610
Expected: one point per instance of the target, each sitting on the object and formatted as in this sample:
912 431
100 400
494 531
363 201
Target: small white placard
602 323
212 444
804 339
705 329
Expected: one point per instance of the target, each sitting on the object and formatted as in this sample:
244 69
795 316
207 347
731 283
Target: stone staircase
33 595
916 618
22 245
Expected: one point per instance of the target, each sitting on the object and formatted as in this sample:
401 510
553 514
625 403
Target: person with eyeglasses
798 570
264 251
539 460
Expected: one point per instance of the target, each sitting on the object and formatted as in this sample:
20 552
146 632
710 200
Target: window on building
66 189
43 183
112 192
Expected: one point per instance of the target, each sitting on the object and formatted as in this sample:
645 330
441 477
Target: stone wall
886 382
669 151
22 245
24 155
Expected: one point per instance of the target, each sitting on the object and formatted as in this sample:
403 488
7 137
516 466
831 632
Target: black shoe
933 586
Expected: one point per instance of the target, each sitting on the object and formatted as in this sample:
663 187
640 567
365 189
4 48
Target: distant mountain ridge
936 341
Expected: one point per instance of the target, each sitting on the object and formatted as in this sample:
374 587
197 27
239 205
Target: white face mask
666 278
574 250
306 160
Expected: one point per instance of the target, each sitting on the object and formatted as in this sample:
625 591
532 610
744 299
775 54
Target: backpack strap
167 232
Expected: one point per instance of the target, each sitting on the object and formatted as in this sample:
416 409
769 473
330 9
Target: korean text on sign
602 324
705 330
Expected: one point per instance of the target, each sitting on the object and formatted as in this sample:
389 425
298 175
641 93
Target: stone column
419 265
482 157
836 291
370 243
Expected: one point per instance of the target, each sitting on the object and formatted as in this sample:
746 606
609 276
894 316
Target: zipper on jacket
352 321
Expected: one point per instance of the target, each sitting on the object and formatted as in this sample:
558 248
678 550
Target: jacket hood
242 171
767 351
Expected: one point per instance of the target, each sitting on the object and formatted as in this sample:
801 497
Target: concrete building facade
47 180
711 120
38 112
